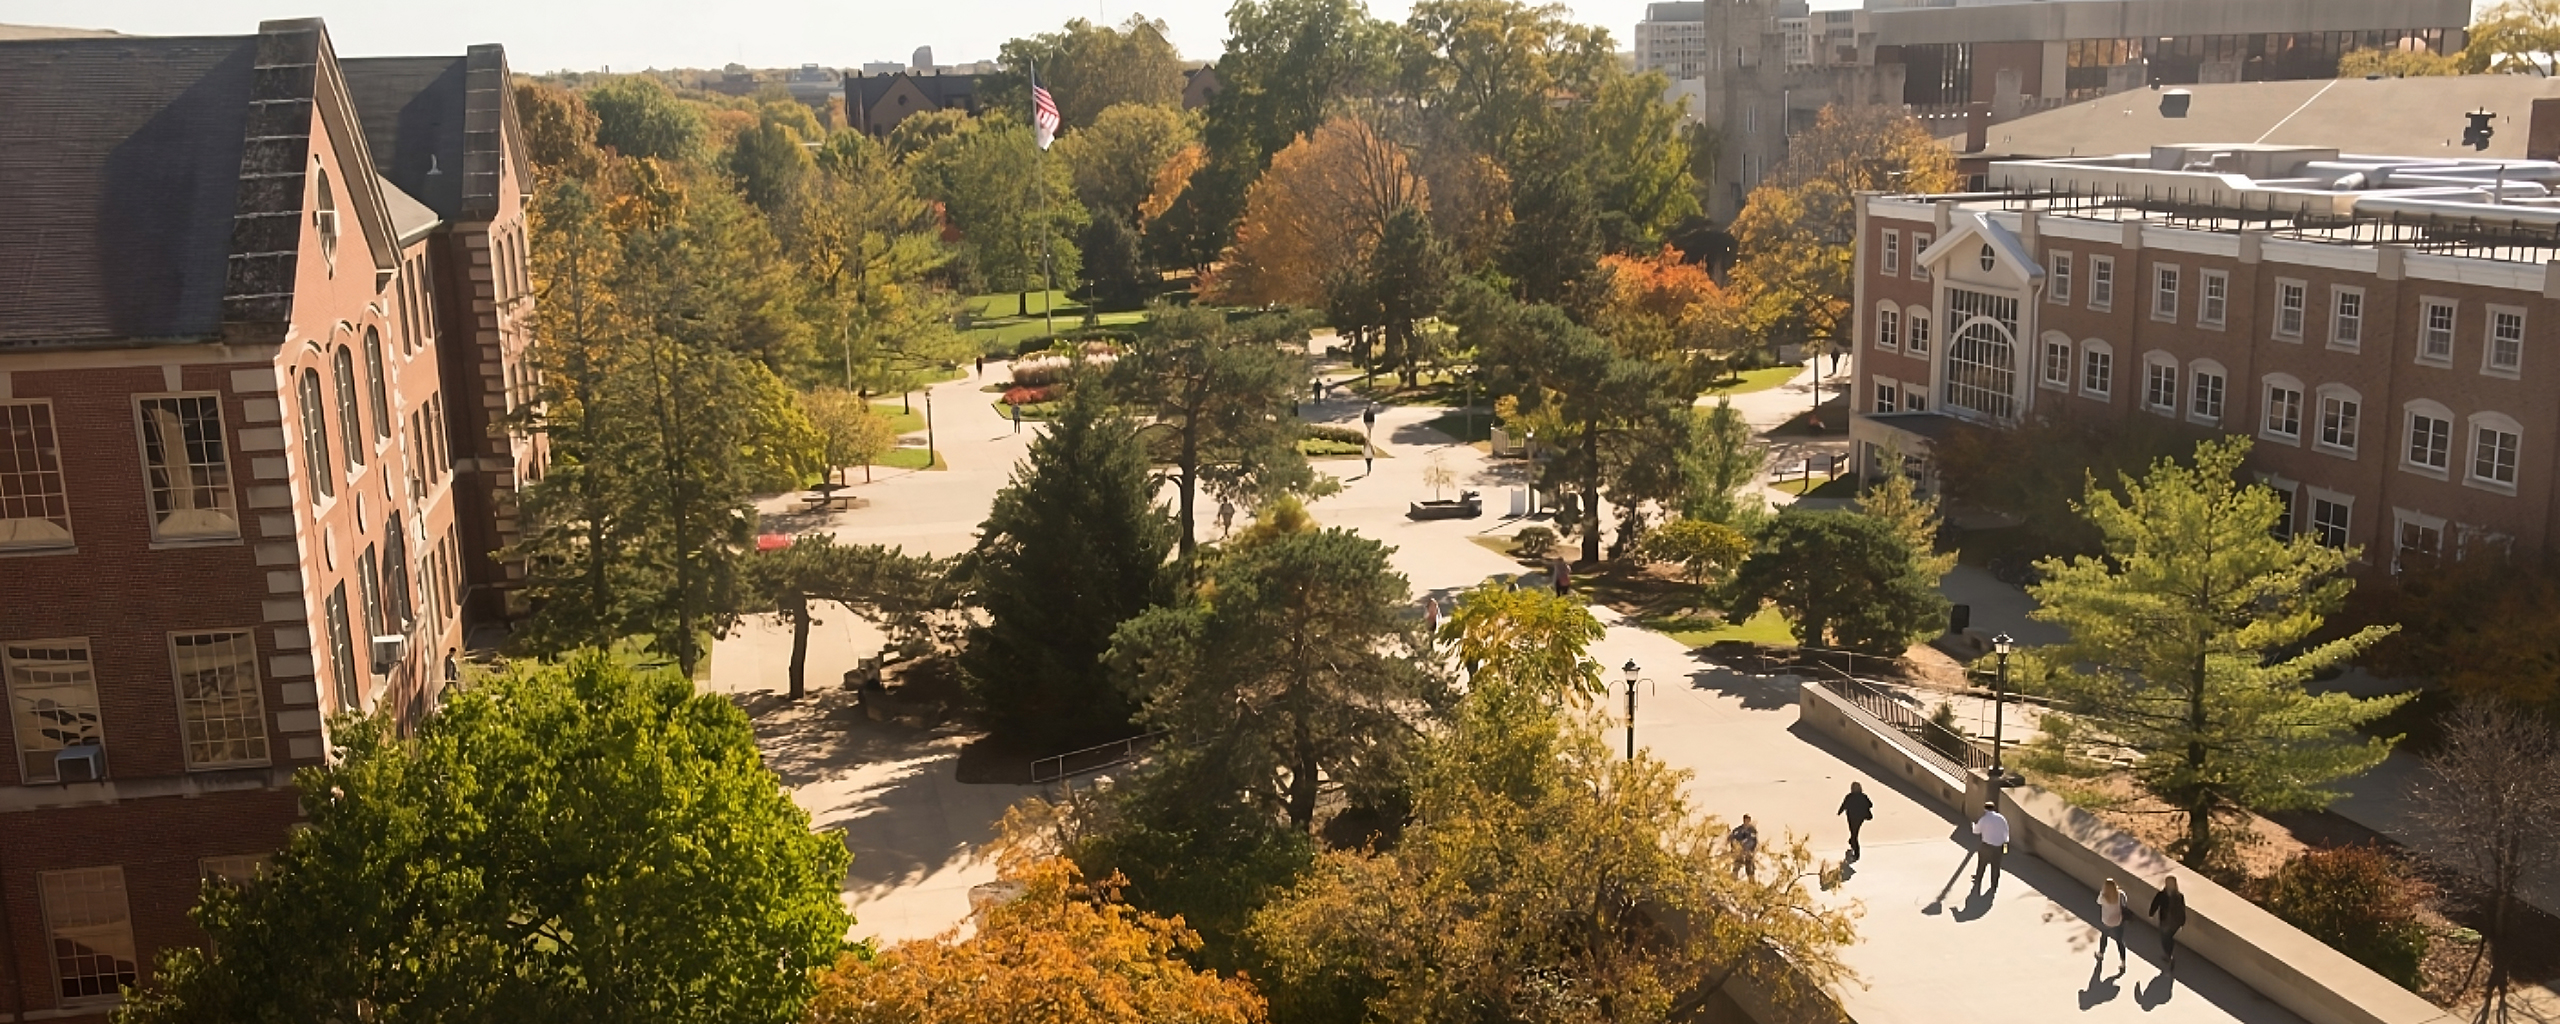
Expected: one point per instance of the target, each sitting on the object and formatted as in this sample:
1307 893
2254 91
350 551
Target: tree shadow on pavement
1757 692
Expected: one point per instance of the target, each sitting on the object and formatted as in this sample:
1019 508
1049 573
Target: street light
2000 645
1632 673
930 456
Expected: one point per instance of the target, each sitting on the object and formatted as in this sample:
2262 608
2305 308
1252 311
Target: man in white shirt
1991 834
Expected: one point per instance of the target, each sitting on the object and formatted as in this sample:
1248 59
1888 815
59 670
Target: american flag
1044 115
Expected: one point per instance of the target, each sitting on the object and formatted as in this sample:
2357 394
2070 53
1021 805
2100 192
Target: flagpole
1040 182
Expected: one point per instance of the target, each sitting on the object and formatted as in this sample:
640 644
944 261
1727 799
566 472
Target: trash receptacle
1959 618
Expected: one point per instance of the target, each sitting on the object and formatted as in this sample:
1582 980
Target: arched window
395 574
315 438
2495 440
324 217
350 422
373 377
1918 318
2206 392
2283 421
2160 382
2341 417
1982 370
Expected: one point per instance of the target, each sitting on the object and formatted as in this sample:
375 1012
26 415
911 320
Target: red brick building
260 318
2375 323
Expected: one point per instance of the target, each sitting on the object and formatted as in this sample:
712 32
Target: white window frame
1919 244
2058 275
2489 364
2268 387
2299 292
1892 260
1888 395
2402 519
2154 364
1915 330
2502 423
2428 333
2166 278
2411 413
107 915
2091 351
243 717
2213 298
10 540
224 494
2057 343
2346 530
1889 328
2351 416
2197 373
12 683
2346 329
2102 283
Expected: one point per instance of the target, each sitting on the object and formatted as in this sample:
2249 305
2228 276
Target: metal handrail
1952 750
1092 759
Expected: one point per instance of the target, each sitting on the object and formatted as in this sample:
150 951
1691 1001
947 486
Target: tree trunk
796 605
1190 482
1022 302
1303 781
1591 493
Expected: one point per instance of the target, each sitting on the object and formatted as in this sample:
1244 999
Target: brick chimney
2542 133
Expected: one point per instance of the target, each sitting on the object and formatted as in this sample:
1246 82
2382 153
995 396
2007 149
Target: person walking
1745 838
1368 457
1017 417
1564 585
2111 921
1991 838
1369 420
1315 389
2169 911
1857 808
982 365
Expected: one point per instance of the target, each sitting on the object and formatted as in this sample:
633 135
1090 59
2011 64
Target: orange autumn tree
1312 218
1059 952
1663 308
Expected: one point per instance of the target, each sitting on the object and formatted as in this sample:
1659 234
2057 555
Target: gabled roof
119 177
1969 230
412 111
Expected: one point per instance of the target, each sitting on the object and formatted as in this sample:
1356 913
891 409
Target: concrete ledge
2296 971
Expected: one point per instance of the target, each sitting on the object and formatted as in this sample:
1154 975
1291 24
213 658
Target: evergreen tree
2191 642
1071 550
1898 503
1225 392
1844 579
1554 242
1722 460
571 842
1115 269
1409 275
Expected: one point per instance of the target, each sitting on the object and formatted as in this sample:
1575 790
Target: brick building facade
246 456
2374 323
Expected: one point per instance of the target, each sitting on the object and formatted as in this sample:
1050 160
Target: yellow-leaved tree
1312 218
1798 230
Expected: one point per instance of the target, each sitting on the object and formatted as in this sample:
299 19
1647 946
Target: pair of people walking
2168 912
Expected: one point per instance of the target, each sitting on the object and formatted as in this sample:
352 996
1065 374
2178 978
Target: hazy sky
545 35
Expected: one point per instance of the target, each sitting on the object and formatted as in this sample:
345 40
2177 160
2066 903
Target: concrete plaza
1928 950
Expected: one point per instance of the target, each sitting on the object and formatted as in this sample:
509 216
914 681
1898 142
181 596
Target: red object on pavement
771 541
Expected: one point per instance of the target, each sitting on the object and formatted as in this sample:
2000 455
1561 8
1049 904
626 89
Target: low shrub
1032 373
1033 345
1033 396
1534 541
1328 446
2360 901
1332 432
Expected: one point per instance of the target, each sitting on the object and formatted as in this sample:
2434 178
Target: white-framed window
2097 369
2340 408
373 380
53 703
2418 539
90 931
2160 383
2206 396
2495 438
1914 401
2164 292
1888 395
343 668
1916 320
2435 331
1982 355
2504 354
2102 283
186 469
2346 317
1892 262
2058 279
2283 421
350 417
2215 305
2430 448
1889 329
2291 297
2287 494
2057 361
35 505
315 439
220 708
2332 518
1919 244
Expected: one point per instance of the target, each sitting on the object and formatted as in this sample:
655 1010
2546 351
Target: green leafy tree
1224 391
1554 243
856 434
1091 68
2515 35
564 842
1526 641
1843 579
1799 227
1290 667
637 117
885 585
1015 209
871 251
1640 157
1409 275
1115 161
559 132
1723 460
1071 550
769 162
1702 548
2191 641
1541 877
1494 68
1898 503
1116 266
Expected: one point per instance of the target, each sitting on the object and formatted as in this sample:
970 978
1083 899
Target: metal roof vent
2173 103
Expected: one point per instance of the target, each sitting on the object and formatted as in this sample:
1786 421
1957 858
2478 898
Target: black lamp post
1632 673
2000 645
930 456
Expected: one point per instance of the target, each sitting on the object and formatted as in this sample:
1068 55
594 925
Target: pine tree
1843 578
1897 502
1072 549
2191 642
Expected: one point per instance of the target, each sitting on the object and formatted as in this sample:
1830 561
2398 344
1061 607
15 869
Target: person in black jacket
2169 911
1857 808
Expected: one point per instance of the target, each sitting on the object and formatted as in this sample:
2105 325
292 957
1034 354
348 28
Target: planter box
1466 506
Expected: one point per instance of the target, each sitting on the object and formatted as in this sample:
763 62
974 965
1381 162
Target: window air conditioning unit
86 763
387 650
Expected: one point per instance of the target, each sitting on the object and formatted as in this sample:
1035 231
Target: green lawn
901 421
1749 381
1467 427
910 458
998 330
1842 486
1769 627
1031 412
1436 387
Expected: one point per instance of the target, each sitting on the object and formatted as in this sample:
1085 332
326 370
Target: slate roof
412 110
119 179
2405 116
